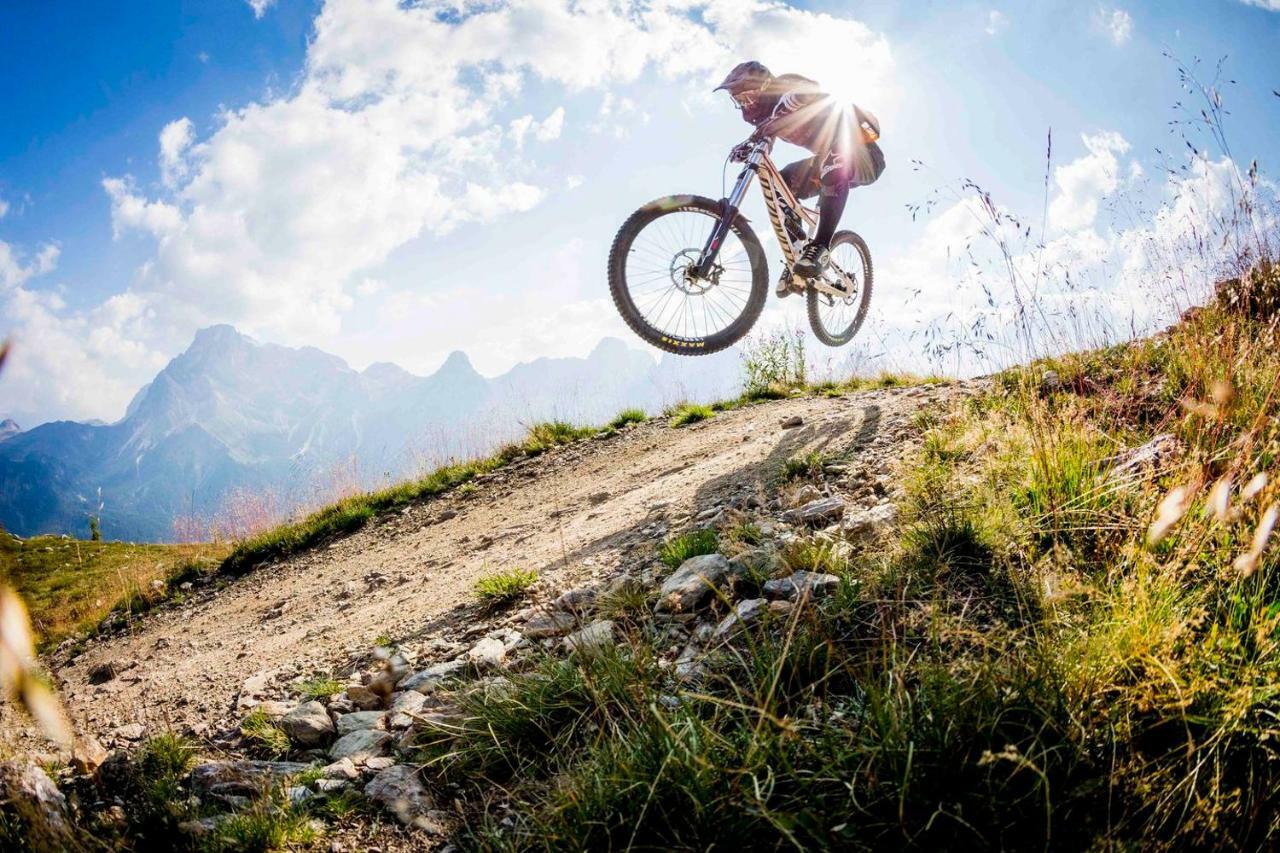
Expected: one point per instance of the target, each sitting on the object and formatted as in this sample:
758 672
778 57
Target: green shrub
506 586
628 416
690 413
677 549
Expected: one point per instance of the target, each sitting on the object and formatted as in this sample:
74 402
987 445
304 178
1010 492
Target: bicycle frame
776 195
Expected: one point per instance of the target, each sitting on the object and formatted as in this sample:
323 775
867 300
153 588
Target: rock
407 702
593 638
689 663
791 422
298 794
404 705
1050 382
756 564
201 827
360 745
816 512
690 585
332 786
364 698
43 822
87 755
399 790
273 709
308 724
1148 457
487 654
871 523
428 680
223 779
382 762
802 585
808 493
743 614
253 690
576 600
549 624
343 768
348 723
781 607
130 731
107 670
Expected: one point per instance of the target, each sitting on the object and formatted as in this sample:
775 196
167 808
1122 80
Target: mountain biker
841 136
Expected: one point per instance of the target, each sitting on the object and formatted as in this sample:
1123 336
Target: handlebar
743 150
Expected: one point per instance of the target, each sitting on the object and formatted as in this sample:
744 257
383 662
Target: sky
392 181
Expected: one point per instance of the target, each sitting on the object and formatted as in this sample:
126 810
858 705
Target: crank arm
822 286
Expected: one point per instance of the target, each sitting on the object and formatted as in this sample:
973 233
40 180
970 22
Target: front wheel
835 320
655 286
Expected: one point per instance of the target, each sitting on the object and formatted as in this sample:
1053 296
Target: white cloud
1269 5
996 22
546 130
175 139
1098 281
4 208
260 7
1082 183
1116 24
401 129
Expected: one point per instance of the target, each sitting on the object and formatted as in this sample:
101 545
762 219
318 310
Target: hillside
233 434
1031 611
69 585
576 515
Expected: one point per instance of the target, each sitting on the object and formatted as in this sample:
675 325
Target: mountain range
232 421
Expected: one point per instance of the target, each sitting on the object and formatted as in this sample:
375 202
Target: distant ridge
231 414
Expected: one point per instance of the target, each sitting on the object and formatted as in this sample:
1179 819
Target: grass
264 735
628 416
70 585
152 789
504 587
689 413
269 823
806 466
677 549
321 687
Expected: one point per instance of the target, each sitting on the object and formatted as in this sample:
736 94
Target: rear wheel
652 279
835 320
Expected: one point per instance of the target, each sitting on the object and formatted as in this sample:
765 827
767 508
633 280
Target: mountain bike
689 275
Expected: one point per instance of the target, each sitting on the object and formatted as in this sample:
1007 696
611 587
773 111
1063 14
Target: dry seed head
1201 408
1218 506
1253 487
1169 512
1222 393
1247 563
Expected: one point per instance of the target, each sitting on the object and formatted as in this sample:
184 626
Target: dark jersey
797 111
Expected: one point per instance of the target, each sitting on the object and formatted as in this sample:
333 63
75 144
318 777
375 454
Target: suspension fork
729 210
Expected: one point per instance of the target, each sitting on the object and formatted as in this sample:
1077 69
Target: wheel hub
682 273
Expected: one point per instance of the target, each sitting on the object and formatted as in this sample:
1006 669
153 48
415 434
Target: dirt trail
579 511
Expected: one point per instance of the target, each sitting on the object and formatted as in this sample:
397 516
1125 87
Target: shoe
813 261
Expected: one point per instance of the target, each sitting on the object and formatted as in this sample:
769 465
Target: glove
741 151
